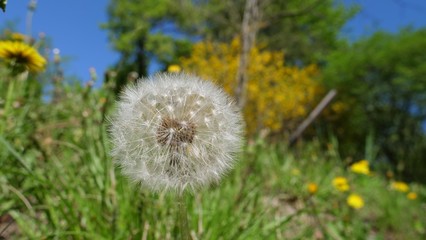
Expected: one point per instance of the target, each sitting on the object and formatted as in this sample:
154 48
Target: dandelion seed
175 131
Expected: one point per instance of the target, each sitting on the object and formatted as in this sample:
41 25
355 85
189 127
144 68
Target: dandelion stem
183 217
8 103
9 97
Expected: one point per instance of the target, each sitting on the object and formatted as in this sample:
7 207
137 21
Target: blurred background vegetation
278 59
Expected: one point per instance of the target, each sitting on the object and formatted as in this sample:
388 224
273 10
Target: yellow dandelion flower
361 167
21 55
174 68
312 188
412 195
355 201
341 184
400 186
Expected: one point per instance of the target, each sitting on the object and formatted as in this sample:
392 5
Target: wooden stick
314 114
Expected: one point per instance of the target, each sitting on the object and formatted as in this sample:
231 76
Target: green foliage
3 5
381 78
139 31
305 30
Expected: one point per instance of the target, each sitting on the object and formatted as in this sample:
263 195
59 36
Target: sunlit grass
57 181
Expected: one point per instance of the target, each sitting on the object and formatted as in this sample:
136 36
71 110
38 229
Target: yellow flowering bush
278 96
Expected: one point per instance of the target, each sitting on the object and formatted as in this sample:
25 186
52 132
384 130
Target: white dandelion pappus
175 131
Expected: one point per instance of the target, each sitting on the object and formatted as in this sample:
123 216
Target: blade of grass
15 154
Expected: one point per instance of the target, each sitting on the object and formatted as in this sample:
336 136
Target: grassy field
57 181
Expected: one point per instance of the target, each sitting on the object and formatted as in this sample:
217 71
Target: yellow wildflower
400 186
312 188
412 195
21 55
174 68
355 201
341 184
361 167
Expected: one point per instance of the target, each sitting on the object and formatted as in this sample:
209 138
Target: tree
264 17
305 30
3 5
382 79
144 30
249 30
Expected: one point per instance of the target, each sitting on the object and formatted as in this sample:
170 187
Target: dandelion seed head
175 131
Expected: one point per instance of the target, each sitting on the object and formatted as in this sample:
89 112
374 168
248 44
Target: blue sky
73 26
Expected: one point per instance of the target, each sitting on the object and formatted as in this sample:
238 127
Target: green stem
9 97
183 217
8 104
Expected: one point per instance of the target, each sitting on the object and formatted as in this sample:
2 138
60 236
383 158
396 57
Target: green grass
57 181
